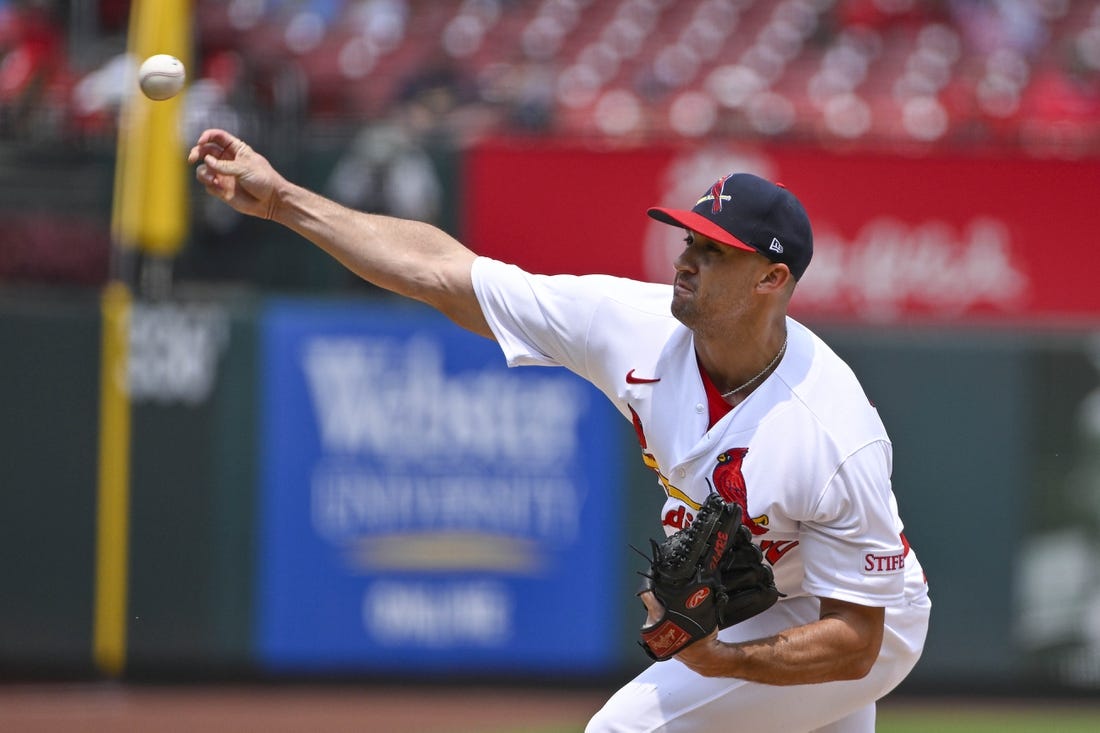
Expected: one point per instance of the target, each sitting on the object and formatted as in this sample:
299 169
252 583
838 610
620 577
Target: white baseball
161 76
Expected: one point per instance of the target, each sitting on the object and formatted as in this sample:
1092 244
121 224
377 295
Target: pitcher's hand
235 173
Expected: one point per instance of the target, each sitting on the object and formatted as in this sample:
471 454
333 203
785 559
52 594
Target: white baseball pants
670 698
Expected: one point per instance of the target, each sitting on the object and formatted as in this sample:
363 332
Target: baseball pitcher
784 596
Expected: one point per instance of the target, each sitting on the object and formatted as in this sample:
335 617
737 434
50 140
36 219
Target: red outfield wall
941 238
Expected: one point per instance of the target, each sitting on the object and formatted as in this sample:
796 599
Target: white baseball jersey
805 452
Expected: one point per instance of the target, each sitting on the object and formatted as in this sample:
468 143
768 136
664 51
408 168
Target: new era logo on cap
748 212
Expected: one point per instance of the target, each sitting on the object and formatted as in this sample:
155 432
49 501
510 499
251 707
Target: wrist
708 657
275 201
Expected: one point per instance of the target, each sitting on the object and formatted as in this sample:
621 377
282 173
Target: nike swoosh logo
631 379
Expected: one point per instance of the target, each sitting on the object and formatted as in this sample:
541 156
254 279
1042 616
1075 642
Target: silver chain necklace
778 356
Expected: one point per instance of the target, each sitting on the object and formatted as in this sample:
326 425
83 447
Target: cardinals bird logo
729 481
716 192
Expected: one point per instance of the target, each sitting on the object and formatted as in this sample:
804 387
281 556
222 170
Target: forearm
835 647
399 255
410 258
800 656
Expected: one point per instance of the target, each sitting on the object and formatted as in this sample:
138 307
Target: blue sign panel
425 508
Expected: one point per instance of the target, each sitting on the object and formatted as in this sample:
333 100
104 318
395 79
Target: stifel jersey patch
879 562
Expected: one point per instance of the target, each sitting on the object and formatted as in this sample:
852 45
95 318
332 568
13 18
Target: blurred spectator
432 93
98 95
220 97
387 170
990 26
33 59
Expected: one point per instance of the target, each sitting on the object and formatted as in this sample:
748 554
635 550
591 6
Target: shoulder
584 322
827 388
495 279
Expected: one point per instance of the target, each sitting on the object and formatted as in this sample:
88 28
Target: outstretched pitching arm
410 258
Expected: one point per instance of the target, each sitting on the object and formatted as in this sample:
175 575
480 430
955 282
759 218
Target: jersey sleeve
582 322
851 545
537 320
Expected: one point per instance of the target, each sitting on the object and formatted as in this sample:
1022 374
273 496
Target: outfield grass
988 718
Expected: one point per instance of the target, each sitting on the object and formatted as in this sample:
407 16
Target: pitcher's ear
776 277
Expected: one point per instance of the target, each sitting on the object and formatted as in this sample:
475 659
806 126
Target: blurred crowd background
369 99
884 72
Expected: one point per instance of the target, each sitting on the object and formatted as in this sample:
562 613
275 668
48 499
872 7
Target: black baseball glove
747 582
708 575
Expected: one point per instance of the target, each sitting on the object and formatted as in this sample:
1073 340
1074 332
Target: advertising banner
937 238
424 508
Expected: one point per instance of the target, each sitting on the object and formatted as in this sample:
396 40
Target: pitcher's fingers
217 142
227 140
216 136
226 167
649 600
205 176
201 150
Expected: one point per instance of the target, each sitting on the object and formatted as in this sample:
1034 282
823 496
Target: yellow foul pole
113 518
149 214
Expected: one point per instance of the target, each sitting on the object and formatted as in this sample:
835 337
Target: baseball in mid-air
161 76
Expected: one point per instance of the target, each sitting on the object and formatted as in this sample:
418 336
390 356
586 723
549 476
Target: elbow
860 669
858 637
862 662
